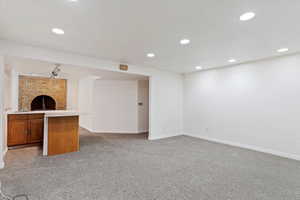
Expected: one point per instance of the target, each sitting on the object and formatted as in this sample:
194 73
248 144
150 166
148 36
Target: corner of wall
5 151
87 128
2 112
2 164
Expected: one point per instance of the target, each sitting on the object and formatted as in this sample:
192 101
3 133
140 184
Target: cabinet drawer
15 117
36 116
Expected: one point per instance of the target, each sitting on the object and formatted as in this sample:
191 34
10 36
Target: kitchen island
60 130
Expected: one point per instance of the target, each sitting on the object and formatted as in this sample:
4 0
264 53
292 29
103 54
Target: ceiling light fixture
247 16
58 31
232 60
185 41
150 55
198 67
282 50
73 0
94 77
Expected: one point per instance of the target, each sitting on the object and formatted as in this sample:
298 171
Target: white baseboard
90 130
250 147
120 132
163 136
116 132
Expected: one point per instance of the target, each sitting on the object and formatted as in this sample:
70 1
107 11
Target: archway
43 102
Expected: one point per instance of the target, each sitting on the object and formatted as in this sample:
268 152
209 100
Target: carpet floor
128 167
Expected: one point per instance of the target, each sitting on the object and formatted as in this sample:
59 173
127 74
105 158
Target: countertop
48 113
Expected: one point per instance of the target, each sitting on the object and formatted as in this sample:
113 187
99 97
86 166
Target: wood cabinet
63 136
17 130
35 128
25 129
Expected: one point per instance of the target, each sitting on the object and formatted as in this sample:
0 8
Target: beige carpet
128 167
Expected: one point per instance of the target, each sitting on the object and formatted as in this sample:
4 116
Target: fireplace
43 102
31 87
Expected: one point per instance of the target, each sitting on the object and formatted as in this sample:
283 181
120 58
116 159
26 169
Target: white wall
2 119
111 106
86 103
8 89
8 102
165 87
115 106
72 94
143 109
14 90
255 105
165 105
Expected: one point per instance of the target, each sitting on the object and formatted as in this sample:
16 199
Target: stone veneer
31 87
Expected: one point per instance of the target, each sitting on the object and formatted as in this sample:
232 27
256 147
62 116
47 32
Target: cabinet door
17 132
36 128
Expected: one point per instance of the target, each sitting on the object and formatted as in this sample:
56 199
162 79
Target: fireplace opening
43 102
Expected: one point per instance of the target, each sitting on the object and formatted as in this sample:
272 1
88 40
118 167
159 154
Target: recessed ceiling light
73 0
150 55
95 77
232 60
185 41
198 67
282 50
58 31
247 16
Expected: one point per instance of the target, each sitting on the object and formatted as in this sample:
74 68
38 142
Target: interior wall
7 102
165 87
115 106
14 90
2 111
85 103
8 89
72 94
165 105
254 105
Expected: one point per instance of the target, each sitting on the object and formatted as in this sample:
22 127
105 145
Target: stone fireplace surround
31 87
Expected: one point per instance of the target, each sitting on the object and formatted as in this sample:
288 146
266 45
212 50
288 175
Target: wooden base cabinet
17 130
63 136
25 129
36 128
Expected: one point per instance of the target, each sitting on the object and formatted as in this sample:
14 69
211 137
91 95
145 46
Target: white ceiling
41 68
126 30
